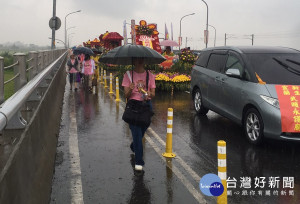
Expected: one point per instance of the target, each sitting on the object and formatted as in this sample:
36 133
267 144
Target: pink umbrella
170 43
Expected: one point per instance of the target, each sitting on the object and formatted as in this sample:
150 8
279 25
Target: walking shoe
138 167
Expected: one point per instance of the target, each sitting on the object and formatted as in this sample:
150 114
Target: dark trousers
137 137
138 133
72 78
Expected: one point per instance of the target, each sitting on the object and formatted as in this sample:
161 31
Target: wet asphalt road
103 171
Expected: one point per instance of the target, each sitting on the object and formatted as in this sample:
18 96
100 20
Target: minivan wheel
253 126
199 108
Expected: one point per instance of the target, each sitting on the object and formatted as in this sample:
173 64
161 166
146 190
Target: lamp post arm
180 26
206 21
215 34
66 25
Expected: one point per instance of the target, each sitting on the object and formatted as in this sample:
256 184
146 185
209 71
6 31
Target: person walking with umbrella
139 85
82 52
135 83
88 67
72 69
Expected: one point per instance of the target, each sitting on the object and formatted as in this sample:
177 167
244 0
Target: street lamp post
215 34
180 28
66 26
206 37
69 38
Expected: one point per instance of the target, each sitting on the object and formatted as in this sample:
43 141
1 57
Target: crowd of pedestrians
83 70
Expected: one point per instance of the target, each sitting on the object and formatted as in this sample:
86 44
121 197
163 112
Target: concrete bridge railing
26 67
29 126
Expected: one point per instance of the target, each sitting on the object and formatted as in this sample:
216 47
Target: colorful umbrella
170 43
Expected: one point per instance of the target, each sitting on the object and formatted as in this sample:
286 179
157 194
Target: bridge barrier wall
27 175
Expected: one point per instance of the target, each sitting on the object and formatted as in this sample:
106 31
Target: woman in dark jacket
72 69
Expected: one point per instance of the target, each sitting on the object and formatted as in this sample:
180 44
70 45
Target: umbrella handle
132 69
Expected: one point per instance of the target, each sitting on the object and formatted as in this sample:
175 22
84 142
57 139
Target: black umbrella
96 51
83 50
124 55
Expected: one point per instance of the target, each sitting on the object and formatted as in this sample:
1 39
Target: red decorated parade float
147 35
110 40
92 44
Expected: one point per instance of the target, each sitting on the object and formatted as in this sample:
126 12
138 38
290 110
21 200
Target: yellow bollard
222 170
110 84
105 82
101 78
168 152
117 89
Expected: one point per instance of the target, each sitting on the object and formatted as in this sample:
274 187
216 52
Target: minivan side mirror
235 73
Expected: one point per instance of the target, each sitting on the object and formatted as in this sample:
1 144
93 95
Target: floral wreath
144 29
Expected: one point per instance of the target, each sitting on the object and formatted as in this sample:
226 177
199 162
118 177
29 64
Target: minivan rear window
274 68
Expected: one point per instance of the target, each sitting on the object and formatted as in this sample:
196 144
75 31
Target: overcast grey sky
273 22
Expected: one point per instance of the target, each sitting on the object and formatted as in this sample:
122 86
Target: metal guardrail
36 62
12 65
13 78
10 109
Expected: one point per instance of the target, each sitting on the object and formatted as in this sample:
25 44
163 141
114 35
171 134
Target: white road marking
195 176
75 182
197 195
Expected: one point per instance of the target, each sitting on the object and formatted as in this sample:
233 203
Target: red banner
289 102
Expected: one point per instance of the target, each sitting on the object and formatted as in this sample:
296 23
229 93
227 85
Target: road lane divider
105 81
101 76
117 89
222 170
110 84
168 152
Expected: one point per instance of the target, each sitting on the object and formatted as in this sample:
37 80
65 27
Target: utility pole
53 28
206 37
225 39
252 38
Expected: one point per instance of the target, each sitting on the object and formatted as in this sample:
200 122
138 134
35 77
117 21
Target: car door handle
217 78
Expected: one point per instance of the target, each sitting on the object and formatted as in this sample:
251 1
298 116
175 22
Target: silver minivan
239 83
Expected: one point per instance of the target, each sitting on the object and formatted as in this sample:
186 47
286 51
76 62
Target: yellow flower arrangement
181 78
162 77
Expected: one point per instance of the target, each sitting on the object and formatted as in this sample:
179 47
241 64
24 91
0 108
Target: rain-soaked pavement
95 164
